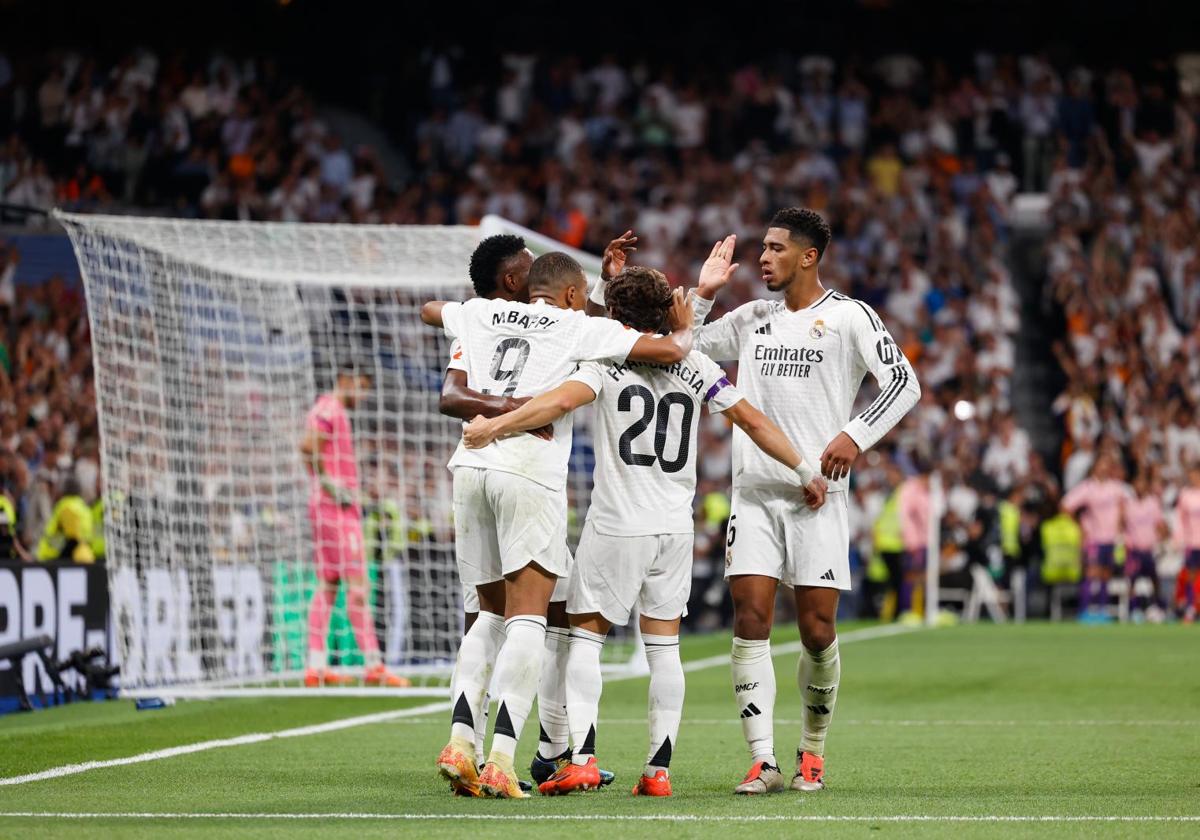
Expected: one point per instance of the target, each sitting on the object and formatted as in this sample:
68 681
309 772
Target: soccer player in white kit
802 360
499 268
636 547
510 500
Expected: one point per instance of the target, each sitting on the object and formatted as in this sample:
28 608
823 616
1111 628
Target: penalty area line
684 818
238 741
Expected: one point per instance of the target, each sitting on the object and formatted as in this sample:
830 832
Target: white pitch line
429 721
864 634
692 818
883 722
240 740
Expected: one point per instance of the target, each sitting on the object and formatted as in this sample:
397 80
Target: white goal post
211 341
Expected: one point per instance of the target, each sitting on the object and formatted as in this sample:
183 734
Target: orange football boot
810 772
657 785
571 777
499 782
316 678
456 764
381 676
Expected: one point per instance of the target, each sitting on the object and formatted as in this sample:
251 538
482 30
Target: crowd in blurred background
915 165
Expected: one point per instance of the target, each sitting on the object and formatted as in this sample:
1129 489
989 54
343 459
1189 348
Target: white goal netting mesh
211 343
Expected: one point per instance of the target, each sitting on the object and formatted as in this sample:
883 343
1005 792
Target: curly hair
804 224
489 258
639 297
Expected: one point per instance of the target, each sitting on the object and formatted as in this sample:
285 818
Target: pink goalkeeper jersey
1101 503
914 514
1187 519
328 416
1142 518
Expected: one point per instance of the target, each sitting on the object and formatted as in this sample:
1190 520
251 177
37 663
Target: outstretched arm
431 312
539 411
770 439
461 402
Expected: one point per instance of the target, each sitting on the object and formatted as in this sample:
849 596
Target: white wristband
806 473
596 295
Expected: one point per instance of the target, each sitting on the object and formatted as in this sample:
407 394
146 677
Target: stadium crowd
914 165
49 441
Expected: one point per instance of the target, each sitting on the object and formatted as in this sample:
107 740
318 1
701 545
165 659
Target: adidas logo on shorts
828 575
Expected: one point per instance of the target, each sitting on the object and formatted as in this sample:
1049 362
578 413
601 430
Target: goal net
211 343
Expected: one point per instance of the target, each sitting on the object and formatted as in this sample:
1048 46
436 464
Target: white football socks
555 734
481 721
473 674
666 699
754 690
818 675
518 670
584 684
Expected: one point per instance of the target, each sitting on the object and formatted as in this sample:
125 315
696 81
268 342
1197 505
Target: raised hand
718 268
616 254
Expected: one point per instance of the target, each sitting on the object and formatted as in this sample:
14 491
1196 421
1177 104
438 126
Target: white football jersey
645 437
803 369
521 349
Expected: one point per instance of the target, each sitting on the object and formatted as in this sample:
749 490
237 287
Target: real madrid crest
818 329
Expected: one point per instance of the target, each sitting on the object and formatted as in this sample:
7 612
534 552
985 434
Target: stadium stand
915 165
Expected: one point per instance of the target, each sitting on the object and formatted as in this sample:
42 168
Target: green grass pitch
980 722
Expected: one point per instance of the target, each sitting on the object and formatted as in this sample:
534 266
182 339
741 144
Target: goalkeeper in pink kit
336 516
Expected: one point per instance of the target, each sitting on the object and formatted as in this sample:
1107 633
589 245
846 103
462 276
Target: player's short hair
488 259
554 271
639 297
804 224
349 370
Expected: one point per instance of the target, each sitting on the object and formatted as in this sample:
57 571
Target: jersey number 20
650 414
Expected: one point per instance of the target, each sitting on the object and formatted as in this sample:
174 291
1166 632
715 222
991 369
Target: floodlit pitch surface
1048 730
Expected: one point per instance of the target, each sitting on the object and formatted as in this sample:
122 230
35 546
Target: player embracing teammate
510 499
801 361
636 547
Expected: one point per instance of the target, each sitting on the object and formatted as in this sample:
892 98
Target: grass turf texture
1040 720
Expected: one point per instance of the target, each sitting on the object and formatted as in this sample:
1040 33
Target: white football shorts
615 576
503 522
773 533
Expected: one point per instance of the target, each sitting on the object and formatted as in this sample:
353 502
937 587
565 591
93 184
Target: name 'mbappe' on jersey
803 369
520 349
645 434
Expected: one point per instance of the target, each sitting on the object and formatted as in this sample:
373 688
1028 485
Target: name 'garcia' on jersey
689 376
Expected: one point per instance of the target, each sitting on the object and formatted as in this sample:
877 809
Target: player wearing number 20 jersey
510 508
636 547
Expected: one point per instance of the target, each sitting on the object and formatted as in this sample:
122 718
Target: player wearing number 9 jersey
636 548
510 504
